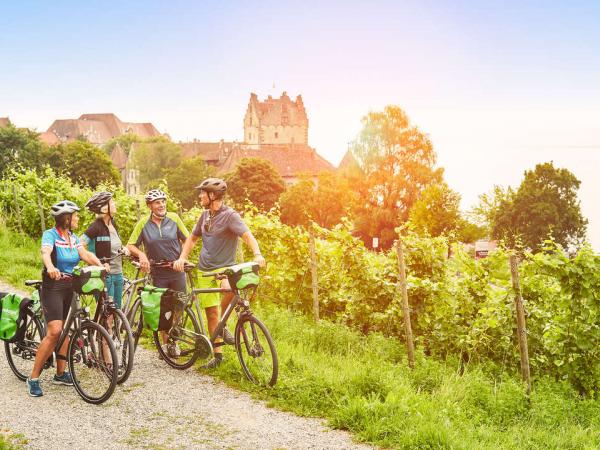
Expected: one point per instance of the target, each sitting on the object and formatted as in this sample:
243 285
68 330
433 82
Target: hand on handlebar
54 273
179 265
144 263
124 251
260 260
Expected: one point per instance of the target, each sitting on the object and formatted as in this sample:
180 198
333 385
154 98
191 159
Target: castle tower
275 121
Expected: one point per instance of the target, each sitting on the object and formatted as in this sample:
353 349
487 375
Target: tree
83 163
257 180
437 211
397 161
183 179
326 203
19 146
544 205
154 157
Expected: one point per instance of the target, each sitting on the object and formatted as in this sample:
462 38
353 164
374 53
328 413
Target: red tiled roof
209 151
48 137
348 161
141 129
113 124
4 122
289 160
70 129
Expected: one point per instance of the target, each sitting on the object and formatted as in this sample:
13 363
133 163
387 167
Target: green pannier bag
89 280
244 275
159 306
13 310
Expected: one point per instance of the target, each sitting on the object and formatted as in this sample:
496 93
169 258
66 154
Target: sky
497 86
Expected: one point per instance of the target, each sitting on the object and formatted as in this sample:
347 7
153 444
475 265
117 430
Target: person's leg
66 306
46 347
117 279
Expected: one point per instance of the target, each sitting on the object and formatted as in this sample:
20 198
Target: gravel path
158 407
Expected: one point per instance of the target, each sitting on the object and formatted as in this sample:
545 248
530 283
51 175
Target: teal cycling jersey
65 256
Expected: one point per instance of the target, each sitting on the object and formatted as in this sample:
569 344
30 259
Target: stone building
275 122
98 129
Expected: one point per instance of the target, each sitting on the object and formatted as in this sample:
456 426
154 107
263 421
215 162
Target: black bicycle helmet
98 201
63 207
155 194
215 185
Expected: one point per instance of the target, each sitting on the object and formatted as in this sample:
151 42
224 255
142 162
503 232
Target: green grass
20 258
363 384
9 441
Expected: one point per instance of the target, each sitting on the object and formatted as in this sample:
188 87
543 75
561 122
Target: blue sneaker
34 388
65 379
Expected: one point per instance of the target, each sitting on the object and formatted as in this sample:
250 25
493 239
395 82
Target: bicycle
90 353
118 327
134 316
253 343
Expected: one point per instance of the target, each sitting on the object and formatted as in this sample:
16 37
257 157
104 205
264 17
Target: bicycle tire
84 352
136 322
251 350
21 354
185 334
121 334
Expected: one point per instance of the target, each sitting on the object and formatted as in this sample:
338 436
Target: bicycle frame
72 323
225 315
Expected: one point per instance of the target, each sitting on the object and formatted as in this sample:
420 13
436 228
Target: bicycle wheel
256 351
92 362
136 321
183 336
21 354
119 330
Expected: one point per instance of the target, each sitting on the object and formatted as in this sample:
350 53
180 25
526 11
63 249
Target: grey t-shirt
116 265
219 237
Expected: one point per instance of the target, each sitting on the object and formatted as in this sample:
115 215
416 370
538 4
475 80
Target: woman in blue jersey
61 252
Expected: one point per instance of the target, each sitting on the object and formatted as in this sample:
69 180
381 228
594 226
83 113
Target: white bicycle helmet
155 194
63 207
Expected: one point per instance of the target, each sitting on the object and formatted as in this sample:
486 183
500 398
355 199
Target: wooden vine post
41 211
521 328
313 272
17 209
410 346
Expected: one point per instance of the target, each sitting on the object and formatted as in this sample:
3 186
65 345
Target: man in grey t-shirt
219 226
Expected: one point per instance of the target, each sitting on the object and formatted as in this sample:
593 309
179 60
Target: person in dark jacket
103 239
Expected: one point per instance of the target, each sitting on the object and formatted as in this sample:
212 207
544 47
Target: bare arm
88 257
137 253
53 272
188 246
250 241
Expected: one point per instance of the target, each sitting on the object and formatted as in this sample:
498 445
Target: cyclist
102 236
61 252
161 234
220 227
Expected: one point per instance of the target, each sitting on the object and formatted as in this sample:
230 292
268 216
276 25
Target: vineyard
349 367
460 307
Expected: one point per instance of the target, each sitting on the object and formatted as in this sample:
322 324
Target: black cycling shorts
56 299
173 280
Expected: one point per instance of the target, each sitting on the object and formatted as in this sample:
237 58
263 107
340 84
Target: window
276 135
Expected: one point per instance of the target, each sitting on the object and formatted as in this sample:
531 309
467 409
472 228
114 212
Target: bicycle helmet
215 185
98 201
155 194
64 207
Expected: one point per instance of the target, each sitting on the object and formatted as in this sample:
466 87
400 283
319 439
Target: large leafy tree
19 146
153 158
183 179
544 205
397 162
83 163
256 180
437 211
324 203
